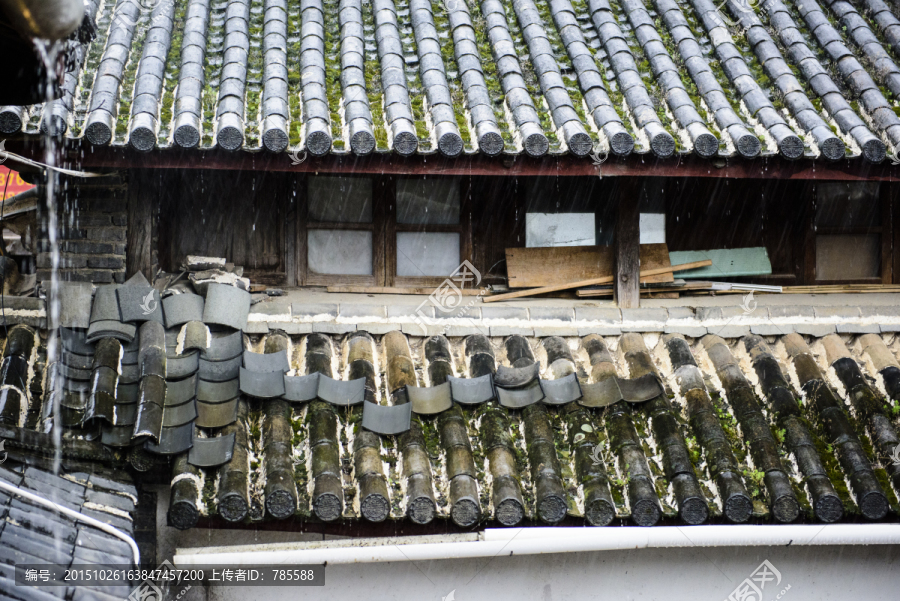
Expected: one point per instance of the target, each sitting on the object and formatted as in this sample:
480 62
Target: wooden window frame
384 228
463 228
885 231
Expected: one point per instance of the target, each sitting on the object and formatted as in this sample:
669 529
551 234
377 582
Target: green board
727 262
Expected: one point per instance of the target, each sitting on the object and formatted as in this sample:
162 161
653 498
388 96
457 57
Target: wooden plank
142 208
589 293
726 262
584 283
393 290
628 246
535 267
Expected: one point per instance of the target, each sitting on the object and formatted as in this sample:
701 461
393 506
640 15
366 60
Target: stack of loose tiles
75 372
201 383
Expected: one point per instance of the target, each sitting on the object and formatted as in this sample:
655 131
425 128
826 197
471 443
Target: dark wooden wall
240 215
251 218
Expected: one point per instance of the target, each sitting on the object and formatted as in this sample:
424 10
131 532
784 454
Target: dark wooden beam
887 234
141 205
80 155
628 244
893 191
809 237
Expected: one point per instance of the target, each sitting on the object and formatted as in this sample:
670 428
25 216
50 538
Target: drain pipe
78 517
535 541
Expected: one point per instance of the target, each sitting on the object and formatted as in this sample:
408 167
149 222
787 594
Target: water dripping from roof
48 53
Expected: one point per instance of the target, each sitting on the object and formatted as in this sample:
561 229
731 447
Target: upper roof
499 76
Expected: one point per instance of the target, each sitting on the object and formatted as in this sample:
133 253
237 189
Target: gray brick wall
92 231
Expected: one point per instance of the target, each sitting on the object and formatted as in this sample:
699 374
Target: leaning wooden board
537 267
592 282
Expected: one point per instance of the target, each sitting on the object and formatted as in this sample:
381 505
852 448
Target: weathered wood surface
535 267
593 282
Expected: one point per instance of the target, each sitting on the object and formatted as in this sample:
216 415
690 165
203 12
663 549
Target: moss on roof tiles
333 71
89 71
492 80
126 87
706 46
413 80
295 103
255 65
606 73
170 75
657 94
686 78
565 66
848 42
215 40
528 74
807 89
373 78
457 96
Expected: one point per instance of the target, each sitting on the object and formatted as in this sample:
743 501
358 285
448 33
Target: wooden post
809 237
141 206
628 244
291 260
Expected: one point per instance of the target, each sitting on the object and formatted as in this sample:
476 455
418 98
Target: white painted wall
690 574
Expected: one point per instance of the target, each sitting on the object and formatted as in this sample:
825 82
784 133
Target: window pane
653 228
428 201
847 257
847 204
342 252
345 199
423 254
559 229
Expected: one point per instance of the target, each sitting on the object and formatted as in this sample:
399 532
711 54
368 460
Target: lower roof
794 423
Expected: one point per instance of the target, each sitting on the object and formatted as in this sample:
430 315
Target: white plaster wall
689 574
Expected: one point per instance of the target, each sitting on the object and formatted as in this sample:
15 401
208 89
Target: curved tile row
886 21
276 112
744 141
562 110
357 112
101 120
704 142
630 83
795 98
478 101
601 108
188 105
233 79
710 450
518 100
149 81
55 118
815 74
397 106
434 79
878 110
229 73
854 25
753 97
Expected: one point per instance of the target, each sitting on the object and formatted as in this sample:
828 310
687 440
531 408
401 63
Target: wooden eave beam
564 166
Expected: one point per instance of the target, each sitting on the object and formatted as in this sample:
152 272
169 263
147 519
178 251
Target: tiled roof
744 429
499 76
335 412
32 534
